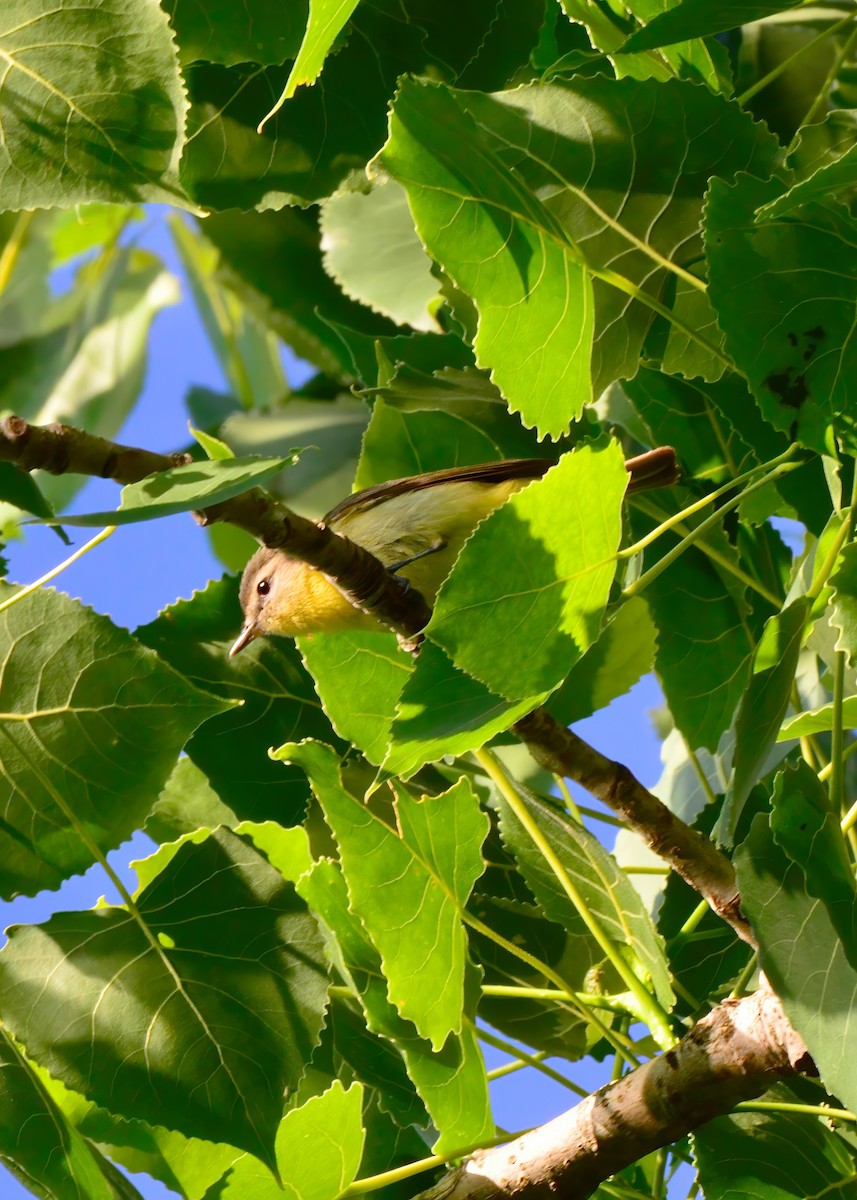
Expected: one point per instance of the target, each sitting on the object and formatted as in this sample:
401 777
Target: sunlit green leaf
429 865
520 626
319 1147
93 104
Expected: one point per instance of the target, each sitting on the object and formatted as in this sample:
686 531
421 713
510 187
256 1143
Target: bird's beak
245 637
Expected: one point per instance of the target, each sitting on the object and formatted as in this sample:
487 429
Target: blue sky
142 568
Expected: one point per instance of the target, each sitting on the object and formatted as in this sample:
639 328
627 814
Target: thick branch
366 582
733 1054
688 852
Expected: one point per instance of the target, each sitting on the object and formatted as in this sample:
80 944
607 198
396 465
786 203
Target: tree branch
61 449
687 851
368 585
735 1053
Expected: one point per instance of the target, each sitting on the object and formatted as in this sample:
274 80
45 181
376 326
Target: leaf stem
621 1046
829 78
709 523
783 66
689 927
783 1106
373 1183
588 999
826 771
699 505
744 978
530 1060
54 571
11 252
649 1008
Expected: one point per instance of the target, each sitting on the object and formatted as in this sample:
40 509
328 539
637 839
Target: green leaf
261 253
705 642
195 1010
318 1147
417 417
262 31
186 803
444 711
844 601
610 667
691 59
372 251
86 362
831 175
325 133
818 720
90 728
428 871
331 432
451 1084
551 550
37 1143
763 707
503 248
359 677
773 1155
93 102
527 165
327 19
276 696
687 417
606 890
702 18
802 951
20 488
181 489
801 368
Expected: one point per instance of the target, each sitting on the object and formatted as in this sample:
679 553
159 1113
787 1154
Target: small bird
415 526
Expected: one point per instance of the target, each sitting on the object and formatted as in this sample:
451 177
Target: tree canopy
496 229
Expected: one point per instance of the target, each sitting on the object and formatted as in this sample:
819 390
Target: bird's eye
263 587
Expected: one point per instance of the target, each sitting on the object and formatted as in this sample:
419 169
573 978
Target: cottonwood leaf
85 360
260 253
197 1009
763 706
443 710
417 416
502 247
181 489
371 249
773 1155
800 367
610 667
93 104
91 725
810 964
451 1084
518 195
262 31
606 890
318 1148
37 1143
702 18
843 614
277 700
359 677
818 720
409 885
528 592
697 611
